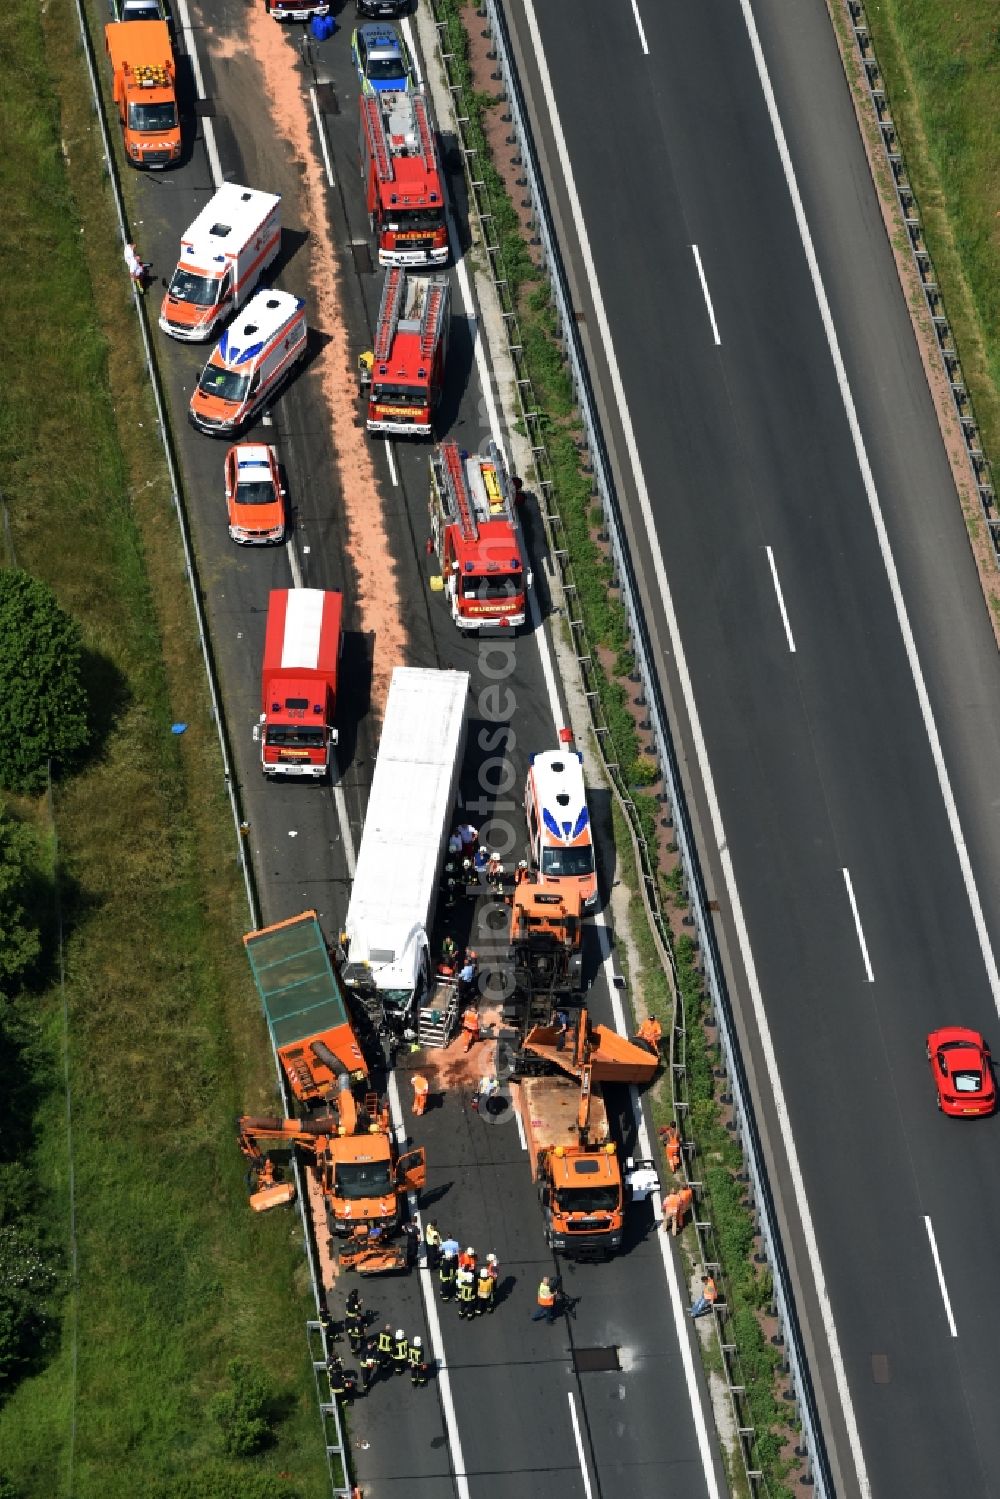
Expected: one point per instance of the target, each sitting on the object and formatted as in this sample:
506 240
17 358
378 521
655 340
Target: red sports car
962 1071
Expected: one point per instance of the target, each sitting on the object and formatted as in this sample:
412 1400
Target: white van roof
227 222
261 320
560 795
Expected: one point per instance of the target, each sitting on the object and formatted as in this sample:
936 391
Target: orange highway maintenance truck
477 539
404 373
575 1160
312 1032
403 182
142 62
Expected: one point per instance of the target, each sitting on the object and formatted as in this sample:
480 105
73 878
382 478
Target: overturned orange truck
575 1160
344 1139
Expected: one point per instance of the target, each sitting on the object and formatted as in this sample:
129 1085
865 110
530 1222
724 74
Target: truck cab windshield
153 119
225 385
568 861
201 291
416 218
587 1200
399 395
491 586
357 1179
282 736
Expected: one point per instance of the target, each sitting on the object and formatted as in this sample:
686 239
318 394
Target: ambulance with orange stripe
250 363
223 255
560 838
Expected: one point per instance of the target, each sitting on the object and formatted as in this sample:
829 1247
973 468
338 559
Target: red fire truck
299 686
477 538
403 184
405 371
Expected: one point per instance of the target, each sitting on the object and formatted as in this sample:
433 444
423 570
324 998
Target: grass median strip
178 1283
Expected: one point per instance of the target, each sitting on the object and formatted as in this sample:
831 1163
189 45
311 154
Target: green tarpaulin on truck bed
295 979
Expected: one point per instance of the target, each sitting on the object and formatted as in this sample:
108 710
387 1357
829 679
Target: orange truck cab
477 538
142 62
560 838
252 360
403 182
367 1181
222 257
302 645
406 374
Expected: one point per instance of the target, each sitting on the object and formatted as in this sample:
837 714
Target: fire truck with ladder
403 183
404 373
477 538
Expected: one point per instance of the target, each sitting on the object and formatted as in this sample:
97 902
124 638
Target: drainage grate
596 1360
326 99
361 251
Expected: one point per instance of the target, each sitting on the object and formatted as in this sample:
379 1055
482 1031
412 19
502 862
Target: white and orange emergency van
560 838
249 364
222 257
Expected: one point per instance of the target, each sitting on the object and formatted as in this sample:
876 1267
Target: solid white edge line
781 599
708 299
442 1374
322 135
520 1129
411 42
923 697
391 459
340 802
940 1275
207 127
857 922
701 754
638 22
675 1287
579 1445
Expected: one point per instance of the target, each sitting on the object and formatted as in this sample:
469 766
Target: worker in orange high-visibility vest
685 1198
671 1208
421 1088
470 1027
672 1145
709 1296
546 1308
650 1033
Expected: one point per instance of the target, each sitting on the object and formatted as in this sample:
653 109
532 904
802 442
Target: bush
45 706
27 1280
244 1413
20 941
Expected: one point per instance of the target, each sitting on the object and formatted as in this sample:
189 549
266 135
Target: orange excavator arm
583 1106
306 1133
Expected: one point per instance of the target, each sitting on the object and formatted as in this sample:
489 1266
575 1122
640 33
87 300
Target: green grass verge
176 1277
941 64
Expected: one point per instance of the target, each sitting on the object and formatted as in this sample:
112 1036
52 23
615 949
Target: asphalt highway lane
819 757
522 1373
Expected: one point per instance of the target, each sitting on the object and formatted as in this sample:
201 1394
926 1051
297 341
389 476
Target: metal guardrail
812 1451
978 462
336 1450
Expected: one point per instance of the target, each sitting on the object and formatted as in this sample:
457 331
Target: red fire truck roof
402 146
410 323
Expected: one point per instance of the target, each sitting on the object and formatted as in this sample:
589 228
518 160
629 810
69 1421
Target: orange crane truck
142 62
575 1160
362 1179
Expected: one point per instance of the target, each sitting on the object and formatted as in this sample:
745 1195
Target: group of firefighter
386 1353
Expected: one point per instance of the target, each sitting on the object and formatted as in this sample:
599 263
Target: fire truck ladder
455 479
388 314
430 323
423 130
377 136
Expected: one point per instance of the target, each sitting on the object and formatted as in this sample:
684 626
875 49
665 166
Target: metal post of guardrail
550 255
335 1449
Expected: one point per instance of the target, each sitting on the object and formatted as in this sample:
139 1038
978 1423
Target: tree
44 703
27 1282
19 935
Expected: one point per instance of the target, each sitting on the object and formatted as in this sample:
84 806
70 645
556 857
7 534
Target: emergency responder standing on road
421 1090
484 1292
465 1283
400 1351
368 1363
447 1267
432 1241
384 1348
355 1322
546 1308
418 1365
341 1383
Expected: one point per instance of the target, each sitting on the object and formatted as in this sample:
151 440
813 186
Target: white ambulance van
560 837
250 363
222 257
